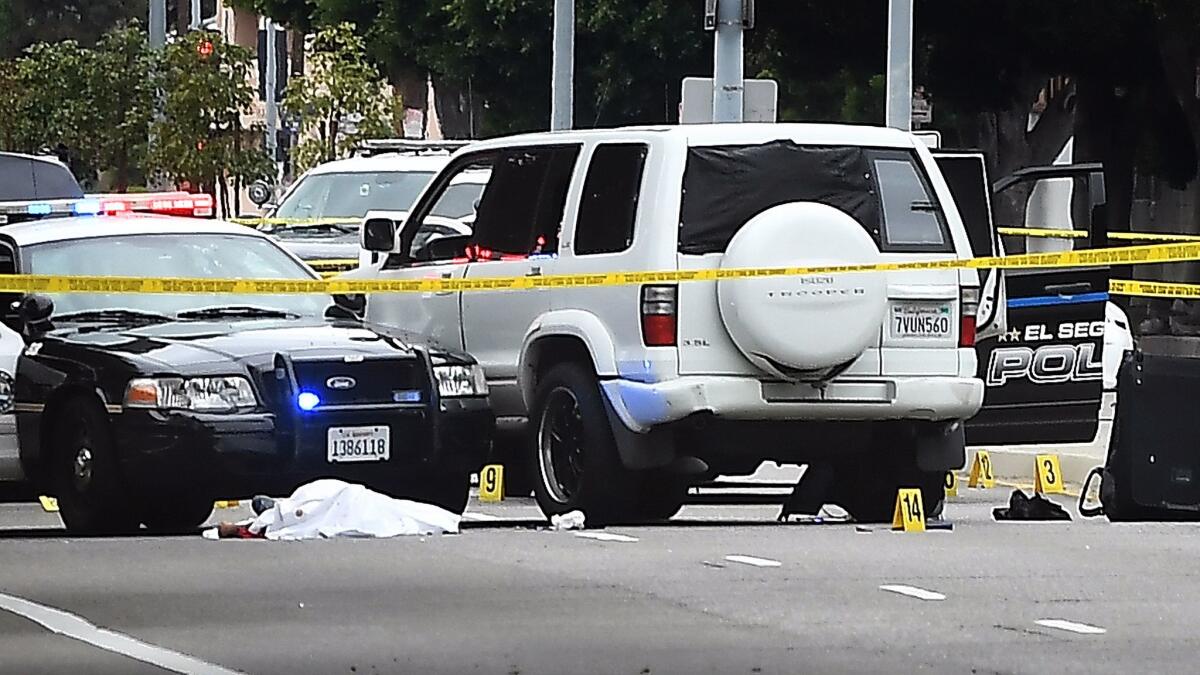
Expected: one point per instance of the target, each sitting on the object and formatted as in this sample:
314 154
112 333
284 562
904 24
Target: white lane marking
1063 624
607 536
751 560
479 516
913 592
78 628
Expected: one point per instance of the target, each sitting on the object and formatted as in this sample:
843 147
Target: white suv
627 395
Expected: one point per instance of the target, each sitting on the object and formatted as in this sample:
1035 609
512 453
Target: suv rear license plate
359 444
921 320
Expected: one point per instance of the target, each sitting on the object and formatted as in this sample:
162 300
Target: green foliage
341 100
123 98
201 139
26 22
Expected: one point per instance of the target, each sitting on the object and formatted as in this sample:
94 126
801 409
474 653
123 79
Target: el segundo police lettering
1049 363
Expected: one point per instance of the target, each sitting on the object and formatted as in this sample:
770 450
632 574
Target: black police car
145 408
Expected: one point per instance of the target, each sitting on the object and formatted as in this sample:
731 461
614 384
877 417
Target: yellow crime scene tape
1043 233
33 283
1153 289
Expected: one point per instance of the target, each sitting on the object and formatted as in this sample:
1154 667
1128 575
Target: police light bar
164 203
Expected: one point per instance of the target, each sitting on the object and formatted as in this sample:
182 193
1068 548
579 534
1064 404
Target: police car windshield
203 256
351 195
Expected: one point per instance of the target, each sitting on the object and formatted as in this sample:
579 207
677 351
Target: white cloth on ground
332 508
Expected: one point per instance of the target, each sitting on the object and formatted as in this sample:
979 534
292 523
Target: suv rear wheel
576 464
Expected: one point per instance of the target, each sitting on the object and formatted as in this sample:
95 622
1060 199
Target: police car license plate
921 320
359 444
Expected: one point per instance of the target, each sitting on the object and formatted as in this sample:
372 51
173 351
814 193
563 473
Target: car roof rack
409 146
196 205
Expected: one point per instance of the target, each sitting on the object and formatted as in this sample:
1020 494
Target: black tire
91 492
660 496
867 487
180 514
575 462
513 452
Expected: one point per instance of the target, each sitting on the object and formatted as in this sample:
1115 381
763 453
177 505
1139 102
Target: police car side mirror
379 234
34 311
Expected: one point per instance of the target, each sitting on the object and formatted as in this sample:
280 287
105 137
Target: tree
201 139
124 73
341 101
25 22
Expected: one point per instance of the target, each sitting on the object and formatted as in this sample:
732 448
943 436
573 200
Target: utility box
760 101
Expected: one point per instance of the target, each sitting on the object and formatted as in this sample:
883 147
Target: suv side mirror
379 234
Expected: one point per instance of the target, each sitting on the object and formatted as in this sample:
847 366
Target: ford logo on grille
341 382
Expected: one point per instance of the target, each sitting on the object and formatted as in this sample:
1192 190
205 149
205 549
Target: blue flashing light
39 209
307 400
86 207
406 396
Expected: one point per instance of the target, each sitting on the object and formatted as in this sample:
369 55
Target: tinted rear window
725 186
24 178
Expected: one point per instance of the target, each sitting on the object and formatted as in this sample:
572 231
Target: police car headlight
457 381
201 394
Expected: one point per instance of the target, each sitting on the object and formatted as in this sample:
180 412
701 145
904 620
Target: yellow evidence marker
1049 475
910 511
226 504
49 504
491 483
951 483
981 471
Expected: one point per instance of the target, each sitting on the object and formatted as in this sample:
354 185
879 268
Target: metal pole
562 79
270 71
195 15
158 23
899 64
728 75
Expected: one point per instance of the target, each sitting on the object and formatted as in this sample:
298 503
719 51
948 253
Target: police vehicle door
1044 373
11 346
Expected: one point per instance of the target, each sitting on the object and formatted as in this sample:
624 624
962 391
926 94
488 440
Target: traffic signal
205 49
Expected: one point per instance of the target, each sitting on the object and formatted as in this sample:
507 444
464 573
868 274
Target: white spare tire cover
802 323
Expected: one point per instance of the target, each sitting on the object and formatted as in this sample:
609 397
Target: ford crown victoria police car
144 408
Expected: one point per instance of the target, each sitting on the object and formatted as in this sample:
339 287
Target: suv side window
911 214
437 224
521 210
608 207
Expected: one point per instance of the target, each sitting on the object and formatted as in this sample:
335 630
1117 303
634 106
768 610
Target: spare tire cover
802 323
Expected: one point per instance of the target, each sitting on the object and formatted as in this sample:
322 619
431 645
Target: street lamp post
899 64
562 79
728 66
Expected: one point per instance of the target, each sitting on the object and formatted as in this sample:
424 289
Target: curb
1015 463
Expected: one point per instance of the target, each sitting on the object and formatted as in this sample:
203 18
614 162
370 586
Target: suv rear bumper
642 406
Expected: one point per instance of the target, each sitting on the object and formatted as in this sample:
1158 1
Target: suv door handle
1069 289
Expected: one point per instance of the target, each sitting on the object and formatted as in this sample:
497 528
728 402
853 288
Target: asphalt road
723 589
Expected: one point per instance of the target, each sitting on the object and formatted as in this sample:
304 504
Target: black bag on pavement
1036 507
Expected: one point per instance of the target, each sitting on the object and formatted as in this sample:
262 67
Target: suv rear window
725 186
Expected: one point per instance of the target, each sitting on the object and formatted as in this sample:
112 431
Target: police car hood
209 346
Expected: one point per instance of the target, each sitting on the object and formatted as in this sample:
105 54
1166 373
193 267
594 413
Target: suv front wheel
576 464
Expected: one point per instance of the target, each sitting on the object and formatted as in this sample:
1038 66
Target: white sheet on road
333 508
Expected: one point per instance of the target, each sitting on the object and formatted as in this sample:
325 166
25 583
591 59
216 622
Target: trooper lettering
1048 364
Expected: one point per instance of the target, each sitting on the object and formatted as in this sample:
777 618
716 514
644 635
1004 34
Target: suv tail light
658 315
968 308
